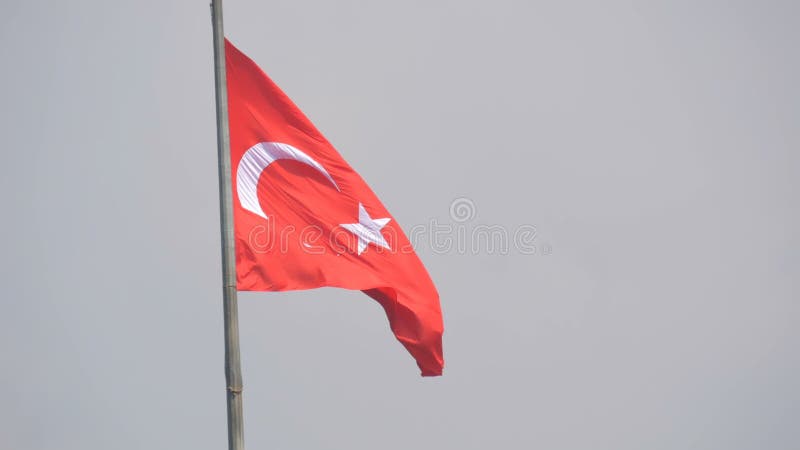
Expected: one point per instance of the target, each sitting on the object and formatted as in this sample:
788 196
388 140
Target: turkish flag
303 218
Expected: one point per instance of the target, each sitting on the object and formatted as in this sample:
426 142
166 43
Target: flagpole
233 369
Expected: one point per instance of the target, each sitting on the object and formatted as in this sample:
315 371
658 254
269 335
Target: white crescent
256 159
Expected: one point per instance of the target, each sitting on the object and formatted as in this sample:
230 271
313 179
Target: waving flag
303 218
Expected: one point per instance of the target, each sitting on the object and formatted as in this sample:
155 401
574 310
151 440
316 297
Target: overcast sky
653 146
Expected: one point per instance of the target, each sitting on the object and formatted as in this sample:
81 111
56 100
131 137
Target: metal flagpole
233 369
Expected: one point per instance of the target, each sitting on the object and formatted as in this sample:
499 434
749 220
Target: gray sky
653 145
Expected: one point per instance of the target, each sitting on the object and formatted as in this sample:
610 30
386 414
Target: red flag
303 218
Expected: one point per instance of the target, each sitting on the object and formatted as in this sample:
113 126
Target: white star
368 230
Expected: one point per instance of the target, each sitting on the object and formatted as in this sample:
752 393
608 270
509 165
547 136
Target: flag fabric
303 218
